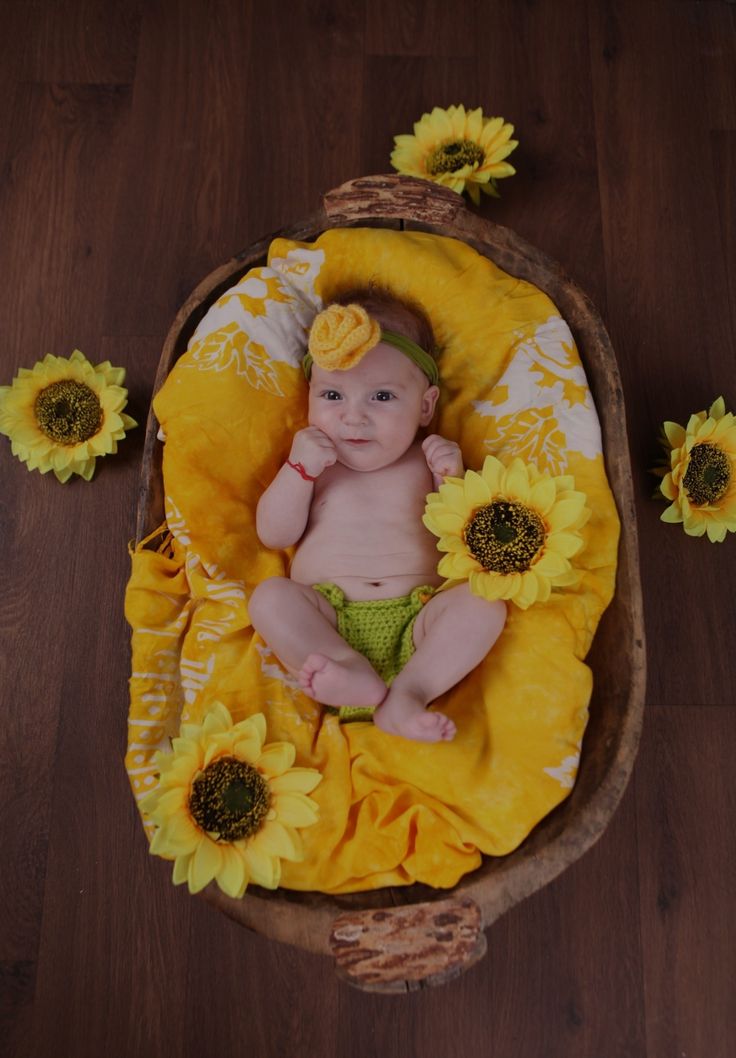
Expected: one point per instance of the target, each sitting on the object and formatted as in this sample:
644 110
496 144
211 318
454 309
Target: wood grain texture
687 860
530 70
415 85
168 136
668 306
421 27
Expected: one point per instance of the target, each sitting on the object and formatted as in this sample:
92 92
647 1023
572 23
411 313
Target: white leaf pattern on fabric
566 772
271 667
229 347
175 522
195 675
542 407
262 320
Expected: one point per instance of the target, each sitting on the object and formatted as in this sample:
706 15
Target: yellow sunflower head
64 413
700 480
460 149
227 807
509 531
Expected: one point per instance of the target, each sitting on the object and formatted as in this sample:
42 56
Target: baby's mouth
357 441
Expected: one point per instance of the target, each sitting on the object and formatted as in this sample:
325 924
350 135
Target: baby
359 621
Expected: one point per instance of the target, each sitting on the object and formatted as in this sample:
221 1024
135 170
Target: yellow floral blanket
391 812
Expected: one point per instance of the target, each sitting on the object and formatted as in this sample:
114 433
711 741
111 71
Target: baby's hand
313 449
444 458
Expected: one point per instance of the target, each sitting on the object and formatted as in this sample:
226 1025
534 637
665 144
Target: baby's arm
444 458
283 509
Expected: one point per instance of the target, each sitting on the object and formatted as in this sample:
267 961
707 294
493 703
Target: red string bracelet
299 467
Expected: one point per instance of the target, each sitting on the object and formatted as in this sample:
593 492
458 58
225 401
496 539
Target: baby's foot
406 715
352 681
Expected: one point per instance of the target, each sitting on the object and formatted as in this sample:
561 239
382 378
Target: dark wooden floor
142 144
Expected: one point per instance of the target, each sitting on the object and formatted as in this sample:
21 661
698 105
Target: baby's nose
353 413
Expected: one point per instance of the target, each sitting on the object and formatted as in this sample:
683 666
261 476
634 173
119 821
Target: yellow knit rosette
227 807
460 149
700 480
341 335
510 531
63 414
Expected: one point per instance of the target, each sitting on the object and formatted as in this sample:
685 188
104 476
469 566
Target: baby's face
372 412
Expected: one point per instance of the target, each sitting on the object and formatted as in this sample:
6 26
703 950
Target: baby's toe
445 727
314 663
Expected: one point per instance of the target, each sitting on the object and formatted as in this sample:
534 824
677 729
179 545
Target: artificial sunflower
459 149
700 477
63 413
509 531
227 806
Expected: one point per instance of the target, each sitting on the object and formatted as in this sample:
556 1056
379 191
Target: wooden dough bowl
402 939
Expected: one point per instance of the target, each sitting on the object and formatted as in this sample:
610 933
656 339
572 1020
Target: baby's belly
367 576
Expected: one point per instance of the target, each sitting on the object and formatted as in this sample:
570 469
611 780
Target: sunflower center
68 412
229 799
453 156
708 474
504 536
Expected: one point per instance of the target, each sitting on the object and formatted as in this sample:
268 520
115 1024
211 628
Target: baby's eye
331 394
384 394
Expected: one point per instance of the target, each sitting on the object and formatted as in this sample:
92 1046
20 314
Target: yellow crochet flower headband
341 335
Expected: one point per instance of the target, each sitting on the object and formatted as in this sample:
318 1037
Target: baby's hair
402 315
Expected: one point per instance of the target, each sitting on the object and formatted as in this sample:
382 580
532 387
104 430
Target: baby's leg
452 634
299 625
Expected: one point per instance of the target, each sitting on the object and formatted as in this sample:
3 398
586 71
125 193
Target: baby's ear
429 403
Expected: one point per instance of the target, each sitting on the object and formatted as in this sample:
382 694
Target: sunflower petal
487 586
181 869
171 801
441 520
673 514
477 492
716 532
204 865
296 810
565 544
566 512
492 473
276 758
694 528
454 544
175 836
717 409
675 434
275 839
551 564
296 780
257 723
217 720
458 566
543 495
263 869
248 748
232 877
528 591
515 483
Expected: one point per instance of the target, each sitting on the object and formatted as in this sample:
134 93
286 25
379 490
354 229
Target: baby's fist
444 458
314 450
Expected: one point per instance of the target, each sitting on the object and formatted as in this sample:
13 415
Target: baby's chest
373 501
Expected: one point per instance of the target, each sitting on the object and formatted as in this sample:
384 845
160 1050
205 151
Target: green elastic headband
416 354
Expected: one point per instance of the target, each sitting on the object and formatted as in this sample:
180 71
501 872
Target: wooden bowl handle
392 196
403 949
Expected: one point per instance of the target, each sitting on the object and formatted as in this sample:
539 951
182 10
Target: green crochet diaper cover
380 629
